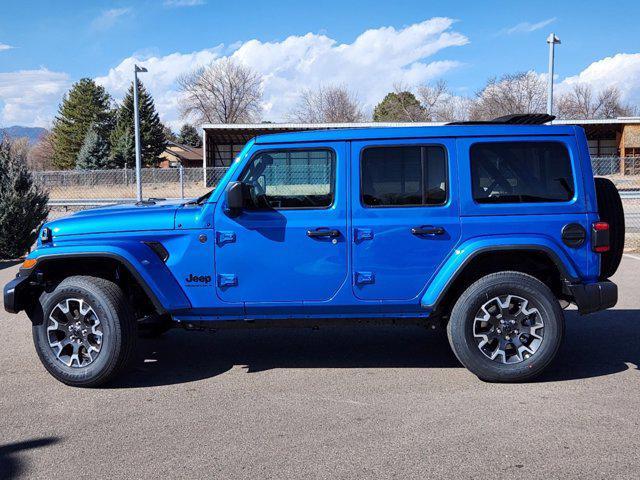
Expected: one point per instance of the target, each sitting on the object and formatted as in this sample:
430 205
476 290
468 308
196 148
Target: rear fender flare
466 252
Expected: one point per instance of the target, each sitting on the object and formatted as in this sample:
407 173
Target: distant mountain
32 133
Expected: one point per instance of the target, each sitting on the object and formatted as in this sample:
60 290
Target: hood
118 218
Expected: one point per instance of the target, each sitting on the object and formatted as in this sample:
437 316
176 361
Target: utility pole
552 40
136 123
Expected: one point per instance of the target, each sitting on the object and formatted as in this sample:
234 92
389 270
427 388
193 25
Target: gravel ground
370 402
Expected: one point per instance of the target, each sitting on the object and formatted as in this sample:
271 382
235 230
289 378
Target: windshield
214 195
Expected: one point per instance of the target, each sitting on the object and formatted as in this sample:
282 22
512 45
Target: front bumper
12 293
593 297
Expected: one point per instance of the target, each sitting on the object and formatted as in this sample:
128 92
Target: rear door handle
427 230
323 232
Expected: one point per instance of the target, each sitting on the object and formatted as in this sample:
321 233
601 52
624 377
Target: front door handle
323 232
427 230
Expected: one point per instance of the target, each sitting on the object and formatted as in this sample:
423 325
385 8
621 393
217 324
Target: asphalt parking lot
374 402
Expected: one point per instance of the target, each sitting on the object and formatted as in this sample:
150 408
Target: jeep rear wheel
87 334
506 327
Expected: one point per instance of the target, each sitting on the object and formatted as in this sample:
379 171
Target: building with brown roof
176 154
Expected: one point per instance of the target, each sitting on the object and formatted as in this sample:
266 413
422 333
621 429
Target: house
176 154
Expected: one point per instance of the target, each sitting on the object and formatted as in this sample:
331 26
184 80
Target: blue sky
367 45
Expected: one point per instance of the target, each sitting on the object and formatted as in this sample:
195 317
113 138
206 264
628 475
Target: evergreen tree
189 136
84 105
23 205
399 107
169 135
123 150
94 154
152 137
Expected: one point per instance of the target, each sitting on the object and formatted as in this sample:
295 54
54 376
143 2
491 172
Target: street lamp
136 123
552 40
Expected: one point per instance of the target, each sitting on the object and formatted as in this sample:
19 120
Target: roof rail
515 119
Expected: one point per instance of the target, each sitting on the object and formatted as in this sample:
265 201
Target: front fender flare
466 252
142 263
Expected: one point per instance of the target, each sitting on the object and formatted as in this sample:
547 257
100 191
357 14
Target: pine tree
123 150
94 154
189 136
399 107
23 205
152 137
169 135
84 105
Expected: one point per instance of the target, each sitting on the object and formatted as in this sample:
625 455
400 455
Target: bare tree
20 147
433 97
40 156
440 105
223 92
333 104
580 102
454 109
612 106
523 92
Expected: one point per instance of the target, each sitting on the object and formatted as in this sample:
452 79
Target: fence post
181 181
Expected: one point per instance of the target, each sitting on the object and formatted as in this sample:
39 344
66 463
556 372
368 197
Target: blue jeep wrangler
489 229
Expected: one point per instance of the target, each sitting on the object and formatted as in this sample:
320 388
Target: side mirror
235 199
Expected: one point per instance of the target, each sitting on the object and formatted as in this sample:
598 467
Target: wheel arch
71 264
149 278
540 261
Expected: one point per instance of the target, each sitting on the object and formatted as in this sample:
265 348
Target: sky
368 46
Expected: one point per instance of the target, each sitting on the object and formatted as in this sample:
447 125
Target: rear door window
404 176
521 172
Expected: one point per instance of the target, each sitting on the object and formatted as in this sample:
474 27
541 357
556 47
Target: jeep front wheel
506 327
88 332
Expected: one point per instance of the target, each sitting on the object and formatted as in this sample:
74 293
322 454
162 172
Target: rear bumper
12 295
593 297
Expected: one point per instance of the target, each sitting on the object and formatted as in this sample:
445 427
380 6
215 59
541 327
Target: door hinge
361 234
362 278
227 280
225 237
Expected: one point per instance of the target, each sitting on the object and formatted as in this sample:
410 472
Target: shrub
23 204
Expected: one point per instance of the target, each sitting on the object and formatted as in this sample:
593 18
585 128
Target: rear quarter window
521 172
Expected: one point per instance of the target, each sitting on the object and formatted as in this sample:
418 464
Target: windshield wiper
200 200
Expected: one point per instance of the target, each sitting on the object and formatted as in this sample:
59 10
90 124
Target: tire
98 331
610 211
482 293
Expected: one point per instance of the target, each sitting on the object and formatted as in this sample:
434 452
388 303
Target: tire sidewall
111 340
461 328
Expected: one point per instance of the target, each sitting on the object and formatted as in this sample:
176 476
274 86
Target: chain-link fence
74 189
84 188
624 172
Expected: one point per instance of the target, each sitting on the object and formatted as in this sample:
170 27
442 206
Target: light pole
552 40
136 123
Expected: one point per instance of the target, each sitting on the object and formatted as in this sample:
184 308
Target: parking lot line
635 257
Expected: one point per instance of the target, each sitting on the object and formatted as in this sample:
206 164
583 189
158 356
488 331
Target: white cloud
183 3
108 18
30 97
4 46
528 27
161 79
370 65
621 71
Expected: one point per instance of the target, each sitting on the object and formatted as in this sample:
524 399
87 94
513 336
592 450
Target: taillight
600 237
